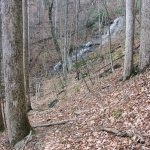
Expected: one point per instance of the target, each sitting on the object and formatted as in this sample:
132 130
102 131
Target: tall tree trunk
109 36
145 35
12 44
1 87
25 52
55 41
65 51
130 19
77 2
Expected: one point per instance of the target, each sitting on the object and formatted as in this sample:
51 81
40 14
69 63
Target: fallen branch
130 134
52 123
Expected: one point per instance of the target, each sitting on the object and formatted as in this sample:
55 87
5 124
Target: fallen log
127 133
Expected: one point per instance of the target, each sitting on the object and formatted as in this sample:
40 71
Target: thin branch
53 123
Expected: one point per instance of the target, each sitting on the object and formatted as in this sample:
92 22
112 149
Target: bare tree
145 34
65 60
53 31
25 52
12 44
77 2
109 33
130 19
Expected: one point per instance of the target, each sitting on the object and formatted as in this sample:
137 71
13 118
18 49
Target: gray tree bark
25 52
130 19
65 51
12 44
145 35
1 86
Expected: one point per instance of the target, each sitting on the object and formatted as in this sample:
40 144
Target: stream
89 46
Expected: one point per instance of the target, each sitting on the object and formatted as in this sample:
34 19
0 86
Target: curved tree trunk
128 62
145 35
12 39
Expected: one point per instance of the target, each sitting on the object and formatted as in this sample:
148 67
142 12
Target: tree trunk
128 61
55 41
1 86
109 35
25 53
77 2
1 118
65 51
12 39
145 35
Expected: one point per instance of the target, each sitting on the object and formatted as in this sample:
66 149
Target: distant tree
109 33
12 45
130 19
77 2
145 35
25 52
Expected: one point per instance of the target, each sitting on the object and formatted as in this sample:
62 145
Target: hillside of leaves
109 103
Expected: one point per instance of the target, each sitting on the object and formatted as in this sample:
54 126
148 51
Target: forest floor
110 103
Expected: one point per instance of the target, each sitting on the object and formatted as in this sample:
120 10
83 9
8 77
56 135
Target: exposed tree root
27 140
130 134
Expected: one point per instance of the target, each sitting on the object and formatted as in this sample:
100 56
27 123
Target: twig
25 143
53 123
135 137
